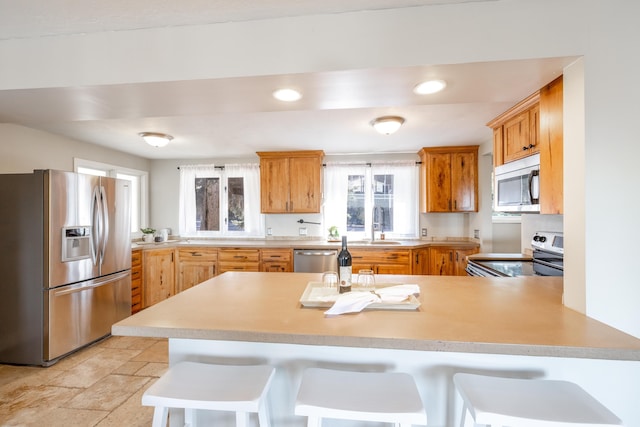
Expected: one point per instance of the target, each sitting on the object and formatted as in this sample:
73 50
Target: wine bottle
344 267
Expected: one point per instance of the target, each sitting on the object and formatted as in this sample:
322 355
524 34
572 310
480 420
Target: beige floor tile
133 343
39 396
54 417
108 393
131 413
158 352
87 373
153 369
129 368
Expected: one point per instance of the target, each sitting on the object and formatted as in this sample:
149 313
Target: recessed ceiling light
287 95
429 87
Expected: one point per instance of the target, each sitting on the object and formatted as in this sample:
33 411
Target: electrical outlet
424 232
269 232
302 231
476 234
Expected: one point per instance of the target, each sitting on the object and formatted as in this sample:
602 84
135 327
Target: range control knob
540 239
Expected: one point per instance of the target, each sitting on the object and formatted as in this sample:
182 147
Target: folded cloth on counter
354 302
397 293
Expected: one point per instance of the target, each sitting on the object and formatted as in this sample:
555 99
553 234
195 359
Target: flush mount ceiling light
387 125
156 139
287 95
429 87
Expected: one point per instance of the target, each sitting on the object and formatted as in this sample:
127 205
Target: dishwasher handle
316 252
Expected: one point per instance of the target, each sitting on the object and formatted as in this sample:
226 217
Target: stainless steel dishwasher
315 260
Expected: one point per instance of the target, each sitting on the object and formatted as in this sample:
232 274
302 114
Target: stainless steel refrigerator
65 263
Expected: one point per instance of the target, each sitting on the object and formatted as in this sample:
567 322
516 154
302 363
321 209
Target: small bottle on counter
344 268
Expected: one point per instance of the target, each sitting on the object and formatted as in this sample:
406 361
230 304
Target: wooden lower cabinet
277 260
449 261
195 266
420 258
136 281
238 260
158 266
381 261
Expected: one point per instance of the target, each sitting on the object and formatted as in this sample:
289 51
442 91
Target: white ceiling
238 116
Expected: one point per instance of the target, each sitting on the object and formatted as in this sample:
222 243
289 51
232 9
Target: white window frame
335 202
113 171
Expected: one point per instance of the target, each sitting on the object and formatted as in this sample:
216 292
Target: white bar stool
495 401
191 385
364 396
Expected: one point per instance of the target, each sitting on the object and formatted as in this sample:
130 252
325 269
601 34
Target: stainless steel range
547 259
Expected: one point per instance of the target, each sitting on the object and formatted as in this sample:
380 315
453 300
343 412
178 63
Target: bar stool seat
191 385
495 401
363 396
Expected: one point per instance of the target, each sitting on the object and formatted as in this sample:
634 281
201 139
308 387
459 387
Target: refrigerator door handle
66 290
104 238
95 226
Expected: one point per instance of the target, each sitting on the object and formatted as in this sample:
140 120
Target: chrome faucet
374 225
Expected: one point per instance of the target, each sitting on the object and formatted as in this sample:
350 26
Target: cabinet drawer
276 255
136 274
380 256
136 258
238 266
198 254
239 255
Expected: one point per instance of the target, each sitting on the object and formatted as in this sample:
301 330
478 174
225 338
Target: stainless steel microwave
517 186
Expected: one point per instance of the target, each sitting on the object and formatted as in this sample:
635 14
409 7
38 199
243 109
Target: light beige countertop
306 243
512 316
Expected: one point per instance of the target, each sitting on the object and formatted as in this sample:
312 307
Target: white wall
604 32
24 149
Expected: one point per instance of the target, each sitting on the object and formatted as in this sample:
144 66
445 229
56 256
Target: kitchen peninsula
503 326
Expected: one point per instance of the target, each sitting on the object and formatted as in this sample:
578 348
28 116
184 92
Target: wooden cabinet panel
290 181
158 268
277 260
449 260
551 148
420 261
449 179
136 281
516 132
238 260
381 261
195 266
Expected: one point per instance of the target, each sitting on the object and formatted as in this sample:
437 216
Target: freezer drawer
81 313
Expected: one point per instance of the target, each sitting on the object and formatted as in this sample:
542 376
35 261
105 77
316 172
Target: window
382 195
138 179
220 201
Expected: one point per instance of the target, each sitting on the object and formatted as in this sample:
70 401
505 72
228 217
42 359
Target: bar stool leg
263 415
314 421
189 417
160 416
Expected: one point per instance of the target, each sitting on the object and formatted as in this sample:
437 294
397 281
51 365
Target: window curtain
253 219
405 195
336 191
187 200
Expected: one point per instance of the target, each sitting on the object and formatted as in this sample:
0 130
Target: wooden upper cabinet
290 181
516 132
551 148
449 179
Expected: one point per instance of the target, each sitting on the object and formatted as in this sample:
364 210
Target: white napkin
354 302
351 302
397 293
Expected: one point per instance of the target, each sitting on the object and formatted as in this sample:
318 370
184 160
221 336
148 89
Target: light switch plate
424 232
303 231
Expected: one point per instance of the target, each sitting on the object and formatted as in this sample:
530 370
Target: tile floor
99 386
